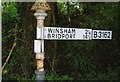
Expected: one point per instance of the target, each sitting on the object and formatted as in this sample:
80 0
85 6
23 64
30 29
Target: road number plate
102 34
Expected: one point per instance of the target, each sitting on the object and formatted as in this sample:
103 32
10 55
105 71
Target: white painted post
40 14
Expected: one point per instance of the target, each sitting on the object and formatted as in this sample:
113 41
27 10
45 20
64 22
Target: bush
52 76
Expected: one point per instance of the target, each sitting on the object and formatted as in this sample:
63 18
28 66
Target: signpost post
40 14
58 33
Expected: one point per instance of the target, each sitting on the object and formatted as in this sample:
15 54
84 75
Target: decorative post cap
41 6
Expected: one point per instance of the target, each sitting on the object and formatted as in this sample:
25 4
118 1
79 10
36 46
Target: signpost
62 33
57 33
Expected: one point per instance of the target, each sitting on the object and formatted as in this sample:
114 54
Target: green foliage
109 74
63 9
52 76
82 57
11 32
10 10
9 14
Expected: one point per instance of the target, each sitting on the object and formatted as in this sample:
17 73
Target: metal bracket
40 56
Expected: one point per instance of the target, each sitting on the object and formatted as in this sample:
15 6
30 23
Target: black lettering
53 35
56 30
63 35
99 34
50 30
69 31
65 30
105 34
70 36
73 35
73 31
86 32
49 36
95 34
108 35
66 36
59 36
61 30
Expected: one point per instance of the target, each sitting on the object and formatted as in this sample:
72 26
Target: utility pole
40 14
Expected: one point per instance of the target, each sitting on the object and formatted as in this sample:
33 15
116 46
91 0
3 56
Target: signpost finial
41 6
